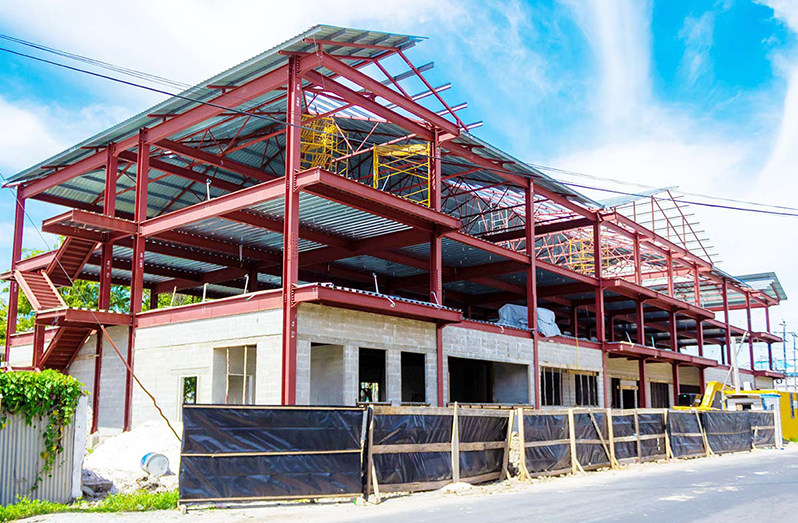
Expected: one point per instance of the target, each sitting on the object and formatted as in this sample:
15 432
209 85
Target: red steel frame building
215 190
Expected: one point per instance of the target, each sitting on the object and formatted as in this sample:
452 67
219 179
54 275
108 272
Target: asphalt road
755 486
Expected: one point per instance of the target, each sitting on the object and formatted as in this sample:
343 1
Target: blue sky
699 94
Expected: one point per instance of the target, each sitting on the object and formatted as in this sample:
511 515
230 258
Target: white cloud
633 136
697 34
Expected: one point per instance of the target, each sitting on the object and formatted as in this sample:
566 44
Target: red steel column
38 344
750 330
638 260
95 398
436 263
599 297
643 377
676 384
770 345
674 332
532 285
109 209
13 288
104 297
137 268
670 273
696 287
290 277
641 322
725 295
575 322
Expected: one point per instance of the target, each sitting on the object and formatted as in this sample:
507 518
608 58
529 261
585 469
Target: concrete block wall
355 330
112 378
475 344
630 370
572 359
22 355
164 354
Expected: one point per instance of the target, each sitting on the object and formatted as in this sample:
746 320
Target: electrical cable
489 169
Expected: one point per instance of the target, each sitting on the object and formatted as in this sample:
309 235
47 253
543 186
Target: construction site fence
258 453
565 441
251 453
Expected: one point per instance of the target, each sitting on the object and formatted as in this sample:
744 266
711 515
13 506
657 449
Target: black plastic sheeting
479 429
591 454
423 467
623 426
410 429
681 423
478 462
650 425
728 431
407 429
412 467
763 437
213 430
550 457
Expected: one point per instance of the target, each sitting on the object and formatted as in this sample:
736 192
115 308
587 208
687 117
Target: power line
496 170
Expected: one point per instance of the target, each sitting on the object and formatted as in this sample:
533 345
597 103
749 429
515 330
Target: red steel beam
230 99
217 161
290 277
383 91
370 105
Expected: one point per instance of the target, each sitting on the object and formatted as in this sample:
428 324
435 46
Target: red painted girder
201 242
216 207
461 274
67 316
383 91
183 172
369 246
370 105
218 161
374 201
232 98
487 246
626 222
93 221
540 230
276 225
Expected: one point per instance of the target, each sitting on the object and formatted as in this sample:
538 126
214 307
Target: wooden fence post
611 437
522 442
455 447
572 435
707 448
507 446
637 433
371 470
668 449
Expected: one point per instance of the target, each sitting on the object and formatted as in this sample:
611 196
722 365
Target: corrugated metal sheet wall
20 462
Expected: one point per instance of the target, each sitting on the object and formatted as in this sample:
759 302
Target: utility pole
794 373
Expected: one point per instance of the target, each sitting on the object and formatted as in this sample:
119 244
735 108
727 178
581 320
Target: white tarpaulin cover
516 316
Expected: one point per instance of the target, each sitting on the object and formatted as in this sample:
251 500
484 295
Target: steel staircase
43 296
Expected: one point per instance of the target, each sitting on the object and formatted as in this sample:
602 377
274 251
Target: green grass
139 501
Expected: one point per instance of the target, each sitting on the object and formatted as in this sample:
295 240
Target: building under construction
348 240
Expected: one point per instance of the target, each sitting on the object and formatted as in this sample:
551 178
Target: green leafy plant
139 501
48 396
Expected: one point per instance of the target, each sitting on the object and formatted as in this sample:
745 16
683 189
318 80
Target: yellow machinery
321 142
716 397
403 170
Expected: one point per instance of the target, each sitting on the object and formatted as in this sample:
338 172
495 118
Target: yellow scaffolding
581 257
404 170
321 142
